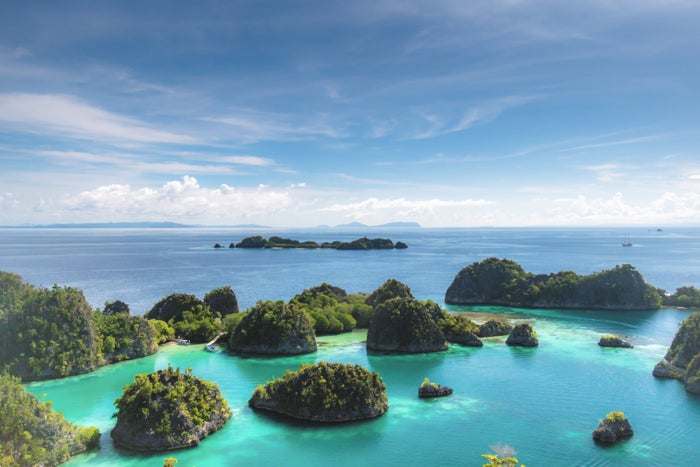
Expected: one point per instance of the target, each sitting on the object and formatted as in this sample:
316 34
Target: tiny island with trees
48 333
277 242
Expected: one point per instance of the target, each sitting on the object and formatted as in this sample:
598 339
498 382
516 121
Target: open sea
544 402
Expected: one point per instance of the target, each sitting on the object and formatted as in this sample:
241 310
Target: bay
545 402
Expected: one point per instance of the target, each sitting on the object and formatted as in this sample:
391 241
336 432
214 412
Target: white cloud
669 207
68 116
184 200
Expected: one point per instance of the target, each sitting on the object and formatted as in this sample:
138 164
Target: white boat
183 342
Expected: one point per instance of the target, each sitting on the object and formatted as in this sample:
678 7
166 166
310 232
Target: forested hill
503 282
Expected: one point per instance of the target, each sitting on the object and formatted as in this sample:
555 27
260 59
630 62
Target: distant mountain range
135 225
175 225
394 225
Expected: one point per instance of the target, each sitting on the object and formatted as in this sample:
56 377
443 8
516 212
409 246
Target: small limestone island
401 323
363 243
32 433
611 340
429 389
324 392
168 409
613 428
523 335
503 282
682 361
273 328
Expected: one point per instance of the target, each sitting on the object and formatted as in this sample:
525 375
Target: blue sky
296 114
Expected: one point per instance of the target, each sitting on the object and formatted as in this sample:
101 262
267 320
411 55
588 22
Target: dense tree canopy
173 306
406 325
222 300
51 333
32 433
331 310
273 328
328 392
168 409
496 281
687 297
388 290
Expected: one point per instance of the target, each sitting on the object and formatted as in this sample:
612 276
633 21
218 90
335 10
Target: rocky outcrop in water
523 335
682 361
494 327
324 392
609 340
613 428
429 390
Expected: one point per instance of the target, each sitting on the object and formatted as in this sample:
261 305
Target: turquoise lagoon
544 402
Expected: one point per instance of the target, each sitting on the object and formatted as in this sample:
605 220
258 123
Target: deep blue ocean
544 402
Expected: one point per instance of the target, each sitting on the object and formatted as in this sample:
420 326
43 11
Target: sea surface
544 402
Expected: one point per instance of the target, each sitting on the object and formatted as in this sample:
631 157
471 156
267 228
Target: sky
305 113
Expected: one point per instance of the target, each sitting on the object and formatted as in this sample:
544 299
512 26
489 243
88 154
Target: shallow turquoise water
545 401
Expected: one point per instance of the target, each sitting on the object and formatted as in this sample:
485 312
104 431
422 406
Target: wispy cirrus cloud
483 113
249 126
401 207
67 116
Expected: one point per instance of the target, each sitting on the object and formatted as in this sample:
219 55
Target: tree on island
496 281
32 433
325 392
168 409
682 361
273 328
406 325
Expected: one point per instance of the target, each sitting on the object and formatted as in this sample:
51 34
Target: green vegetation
686 342
328 392
47 333
682 361
222 300
273 328
172 307
612 428
162 331
494 327
503 456
496 281
458 328
611 340
123 337
427 384
32 433
331 310
363 243
686 297
388 290
191 318
406 325
52 333
168 409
